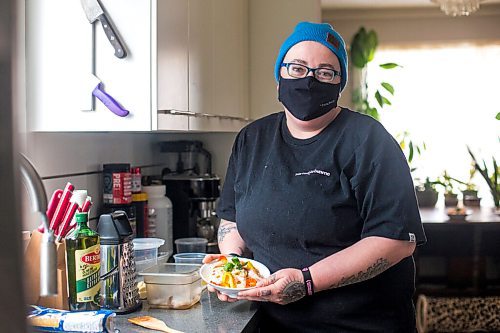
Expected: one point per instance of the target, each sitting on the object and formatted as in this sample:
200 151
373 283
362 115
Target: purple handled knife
108 100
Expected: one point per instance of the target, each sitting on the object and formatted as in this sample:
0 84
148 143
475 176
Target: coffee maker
193 190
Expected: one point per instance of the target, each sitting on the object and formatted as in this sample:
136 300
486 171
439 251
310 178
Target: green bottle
84 266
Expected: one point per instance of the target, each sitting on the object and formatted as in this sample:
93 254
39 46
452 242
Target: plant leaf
371 43
386 101
388 87
498 116
357 50
379 99
410 146
389 65
357 56
374 113
495 173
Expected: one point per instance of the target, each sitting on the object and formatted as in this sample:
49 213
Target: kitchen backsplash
78 158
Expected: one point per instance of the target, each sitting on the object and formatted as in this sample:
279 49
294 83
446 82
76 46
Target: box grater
118 286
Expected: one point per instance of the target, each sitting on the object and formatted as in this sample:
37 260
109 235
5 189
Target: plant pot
470 198
469 194
450 200
426 198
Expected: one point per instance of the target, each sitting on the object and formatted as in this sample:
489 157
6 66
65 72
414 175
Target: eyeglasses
299 71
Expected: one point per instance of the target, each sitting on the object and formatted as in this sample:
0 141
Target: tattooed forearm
224 230
378 267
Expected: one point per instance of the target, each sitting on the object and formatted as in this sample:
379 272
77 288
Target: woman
323 197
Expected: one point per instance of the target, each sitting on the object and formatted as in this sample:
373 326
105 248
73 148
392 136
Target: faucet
48 254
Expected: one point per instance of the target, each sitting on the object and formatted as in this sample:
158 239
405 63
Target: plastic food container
191 245
189 258
146 252
172 285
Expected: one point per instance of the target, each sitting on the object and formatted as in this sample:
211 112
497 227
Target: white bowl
231 292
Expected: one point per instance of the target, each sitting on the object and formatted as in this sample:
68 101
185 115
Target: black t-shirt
298 201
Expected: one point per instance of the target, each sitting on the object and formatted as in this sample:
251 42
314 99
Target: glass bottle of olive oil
84 266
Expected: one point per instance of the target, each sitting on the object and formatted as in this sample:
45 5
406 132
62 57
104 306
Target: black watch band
234 255
308 282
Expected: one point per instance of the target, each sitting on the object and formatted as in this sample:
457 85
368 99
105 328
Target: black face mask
308 98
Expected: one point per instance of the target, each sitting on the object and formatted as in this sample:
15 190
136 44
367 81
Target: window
448 97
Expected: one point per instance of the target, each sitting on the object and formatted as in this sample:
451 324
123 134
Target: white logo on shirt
412 237
308 173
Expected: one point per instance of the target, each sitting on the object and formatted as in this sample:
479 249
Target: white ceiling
353 4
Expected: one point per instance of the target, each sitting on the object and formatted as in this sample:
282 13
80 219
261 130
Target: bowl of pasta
230 275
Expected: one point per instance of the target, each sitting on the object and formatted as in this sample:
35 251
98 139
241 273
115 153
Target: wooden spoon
152 323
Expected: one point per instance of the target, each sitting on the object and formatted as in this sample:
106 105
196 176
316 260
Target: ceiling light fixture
458 7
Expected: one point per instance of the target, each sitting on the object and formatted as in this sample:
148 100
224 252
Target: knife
99 92
94 12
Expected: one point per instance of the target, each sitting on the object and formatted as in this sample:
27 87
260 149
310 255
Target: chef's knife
94 11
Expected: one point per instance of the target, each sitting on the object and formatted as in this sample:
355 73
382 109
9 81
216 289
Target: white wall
58 156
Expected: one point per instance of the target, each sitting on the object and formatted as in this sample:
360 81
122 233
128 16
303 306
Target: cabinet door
172 55
64 51
230 57
58 54
218 64
128 79
201 71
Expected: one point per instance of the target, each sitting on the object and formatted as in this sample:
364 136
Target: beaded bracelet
308 282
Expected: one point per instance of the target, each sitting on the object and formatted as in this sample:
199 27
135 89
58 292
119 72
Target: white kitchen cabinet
217 66
63 50
218 57
185 69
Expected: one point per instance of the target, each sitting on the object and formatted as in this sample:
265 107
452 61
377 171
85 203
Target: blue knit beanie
318 32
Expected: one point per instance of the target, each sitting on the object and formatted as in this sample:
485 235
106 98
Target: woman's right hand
214 257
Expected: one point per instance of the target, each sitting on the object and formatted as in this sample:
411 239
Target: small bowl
457 217
189 258
457 214
232 292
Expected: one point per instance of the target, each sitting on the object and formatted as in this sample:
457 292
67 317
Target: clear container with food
173 285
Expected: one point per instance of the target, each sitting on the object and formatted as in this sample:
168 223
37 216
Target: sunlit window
448 97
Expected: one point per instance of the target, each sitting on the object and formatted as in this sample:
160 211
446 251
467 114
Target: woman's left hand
283 287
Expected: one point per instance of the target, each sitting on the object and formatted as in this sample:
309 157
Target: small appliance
193 190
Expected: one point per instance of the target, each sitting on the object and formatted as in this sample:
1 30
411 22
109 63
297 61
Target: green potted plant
362 51
450 196
469 194
492 178
427 194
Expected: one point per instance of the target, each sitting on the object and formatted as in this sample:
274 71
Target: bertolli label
88 267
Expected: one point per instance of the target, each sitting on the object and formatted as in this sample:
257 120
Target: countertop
476 215
209 315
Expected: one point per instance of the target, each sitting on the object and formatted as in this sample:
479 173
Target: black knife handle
112 37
